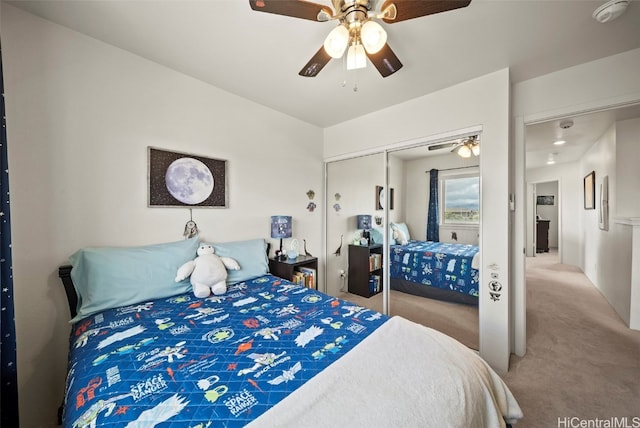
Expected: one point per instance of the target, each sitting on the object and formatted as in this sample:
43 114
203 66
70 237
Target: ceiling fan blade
315 64
294 8
385 61
442 146
408 9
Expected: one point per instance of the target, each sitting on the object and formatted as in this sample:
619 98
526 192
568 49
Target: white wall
627 205
607 254
606 263
601 158
402 206
80 115
628 171
445 111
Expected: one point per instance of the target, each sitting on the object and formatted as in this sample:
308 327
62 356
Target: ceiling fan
465 147
357 32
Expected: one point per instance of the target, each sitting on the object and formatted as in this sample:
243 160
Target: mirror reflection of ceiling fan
357 32
464 148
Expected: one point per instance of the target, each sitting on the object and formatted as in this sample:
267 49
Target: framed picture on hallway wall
590 191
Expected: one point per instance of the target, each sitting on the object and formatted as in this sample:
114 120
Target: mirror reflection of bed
450 304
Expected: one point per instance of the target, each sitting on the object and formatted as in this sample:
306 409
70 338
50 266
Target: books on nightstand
375 262
374 284
305 276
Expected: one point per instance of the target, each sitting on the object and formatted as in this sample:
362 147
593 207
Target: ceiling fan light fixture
475 149
356 57
373 36
464 151
337 41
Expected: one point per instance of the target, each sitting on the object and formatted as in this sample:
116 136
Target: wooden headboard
64 272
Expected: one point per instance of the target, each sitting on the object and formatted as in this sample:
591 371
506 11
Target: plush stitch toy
208 272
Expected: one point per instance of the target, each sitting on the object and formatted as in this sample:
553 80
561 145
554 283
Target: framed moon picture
185 180
380 197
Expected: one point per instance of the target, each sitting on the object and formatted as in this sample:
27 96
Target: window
461 199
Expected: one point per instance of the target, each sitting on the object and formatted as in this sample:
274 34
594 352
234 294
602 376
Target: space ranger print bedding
220 361
449 266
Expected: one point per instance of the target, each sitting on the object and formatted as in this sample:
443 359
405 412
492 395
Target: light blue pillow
251 255
377 235
403 227
111 277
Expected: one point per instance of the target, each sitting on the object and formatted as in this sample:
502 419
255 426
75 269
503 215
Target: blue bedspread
219 362
437 264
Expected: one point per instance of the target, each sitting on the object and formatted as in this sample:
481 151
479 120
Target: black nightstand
288 268
365 269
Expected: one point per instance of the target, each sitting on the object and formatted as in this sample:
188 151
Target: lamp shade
464 151
356 57
364 221
337 41
373 36
281 226
475 149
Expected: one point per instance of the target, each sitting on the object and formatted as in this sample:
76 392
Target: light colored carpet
457 320
582 361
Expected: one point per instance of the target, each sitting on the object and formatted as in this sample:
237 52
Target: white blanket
402 375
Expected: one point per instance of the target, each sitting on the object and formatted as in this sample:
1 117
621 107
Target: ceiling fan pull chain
355 80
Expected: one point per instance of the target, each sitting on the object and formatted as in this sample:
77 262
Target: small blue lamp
364 223
280 228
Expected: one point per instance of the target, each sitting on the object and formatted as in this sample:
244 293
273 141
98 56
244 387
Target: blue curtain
433 230
8 365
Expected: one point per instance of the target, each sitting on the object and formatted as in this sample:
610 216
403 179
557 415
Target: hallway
582 360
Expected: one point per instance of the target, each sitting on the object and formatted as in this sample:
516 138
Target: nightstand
302 270
365 269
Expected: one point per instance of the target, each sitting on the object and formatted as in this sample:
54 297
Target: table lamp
364 223
280 228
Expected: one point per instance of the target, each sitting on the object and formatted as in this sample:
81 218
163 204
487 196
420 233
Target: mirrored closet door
430 279
434 272
353 195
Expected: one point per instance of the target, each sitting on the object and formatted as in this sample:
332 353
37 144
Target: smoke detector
610 10
566 124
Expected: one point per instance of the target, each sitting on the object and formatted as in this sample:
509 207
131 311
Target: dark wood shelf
361 271
285 268
542 236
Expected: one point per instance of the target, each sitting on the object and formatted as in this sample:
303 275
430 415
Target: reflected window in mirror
460 199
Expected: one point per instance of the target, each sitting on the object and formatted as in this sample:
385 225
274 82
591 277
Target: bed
442 270
266 353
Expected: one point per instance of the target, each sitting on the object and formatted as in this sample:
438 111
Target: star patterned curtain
433 229
8 367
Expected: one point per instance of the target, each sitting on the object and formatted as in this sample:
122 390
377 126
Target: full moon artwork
180 179
189 181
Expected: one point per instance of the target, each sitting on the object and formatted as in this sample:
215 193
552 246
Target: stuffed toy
399 235
208 272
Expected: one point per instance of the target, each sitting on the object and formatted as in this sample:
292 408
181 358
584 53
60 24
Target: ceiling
258 55
584 132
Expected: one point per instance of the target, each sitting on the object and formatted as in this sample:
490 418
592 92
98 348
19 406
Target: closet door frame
386 150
